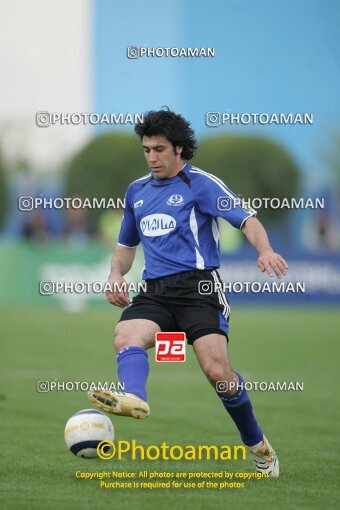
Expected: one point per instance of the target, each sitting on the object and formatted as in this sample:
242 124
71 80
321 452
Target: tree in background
332 157
251 167
105 167
3 191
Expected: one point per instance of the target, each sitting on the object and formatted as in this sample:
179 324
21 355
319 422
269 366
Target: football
85 430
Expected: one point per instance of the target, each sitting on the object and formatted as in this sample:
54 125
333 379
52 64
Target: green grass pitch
266 344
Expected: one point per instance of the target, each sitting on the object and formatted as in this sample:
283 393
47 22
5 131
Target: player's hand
269 261
118 295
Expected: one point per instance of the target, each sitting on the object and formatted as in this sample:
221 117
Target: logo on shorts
138 204
170 347
155 225
175 200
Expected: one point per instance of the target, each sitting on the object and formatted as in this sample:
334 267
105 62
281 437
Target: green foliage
251 167
331 156
3 191
105 167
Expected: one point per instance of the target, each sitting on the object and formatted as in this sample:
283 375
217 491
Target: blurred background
62 57
71 57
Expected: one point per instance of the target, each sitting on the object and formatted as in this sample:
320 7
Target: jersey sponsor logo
138 203
170 346
175 200
155 225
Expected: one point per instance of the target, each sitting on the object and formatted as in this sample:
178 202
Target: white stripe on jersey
220 184
222 299
199 260
194 230
215 231
193 225
214 178
125 246
141 178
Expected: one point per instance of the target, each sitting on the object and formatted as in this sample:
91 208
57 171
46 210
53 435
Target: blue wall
271 56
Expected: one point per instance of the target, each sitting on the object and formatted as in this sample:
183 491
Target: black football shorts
191 301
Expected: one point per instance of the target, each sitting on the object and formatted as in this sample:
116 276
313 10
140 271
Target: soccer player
173 212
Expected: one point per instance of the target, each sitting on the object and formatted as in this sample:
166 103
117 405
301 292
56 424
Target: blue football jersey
176 220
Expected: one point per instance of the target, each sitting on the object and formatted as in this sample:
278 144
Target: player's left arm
268 260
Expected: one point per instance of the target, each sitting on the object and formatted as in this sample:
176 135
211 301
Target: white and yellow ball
85 430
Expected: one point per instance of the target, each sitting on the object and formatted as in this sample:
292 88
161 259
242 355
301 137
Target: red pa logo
170 346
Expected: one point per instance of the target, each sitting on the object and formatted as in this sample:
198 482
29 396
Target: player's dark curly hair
173 127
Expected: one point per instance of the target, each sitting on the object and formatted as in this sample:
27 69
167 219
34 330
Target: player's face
161 158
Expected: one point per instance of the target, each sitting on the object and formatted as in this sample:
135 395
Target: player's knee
216 372
123 339
120 341
223 380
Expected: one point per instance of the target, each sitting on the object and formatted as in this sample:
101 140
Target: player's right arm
121 263
123 256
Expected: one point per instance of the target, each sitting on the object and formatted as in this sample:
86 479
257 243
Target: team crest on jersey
138 203
175 200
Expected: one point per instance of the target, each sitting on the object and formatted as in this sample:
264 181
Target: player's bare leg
132 339
212 354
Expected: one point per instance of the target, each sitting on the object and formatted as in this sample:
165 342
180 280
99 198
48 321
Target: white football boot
265 459
119 403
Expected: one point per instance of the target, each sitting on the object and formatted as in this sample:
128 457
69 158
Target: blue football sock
240 409
133 370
